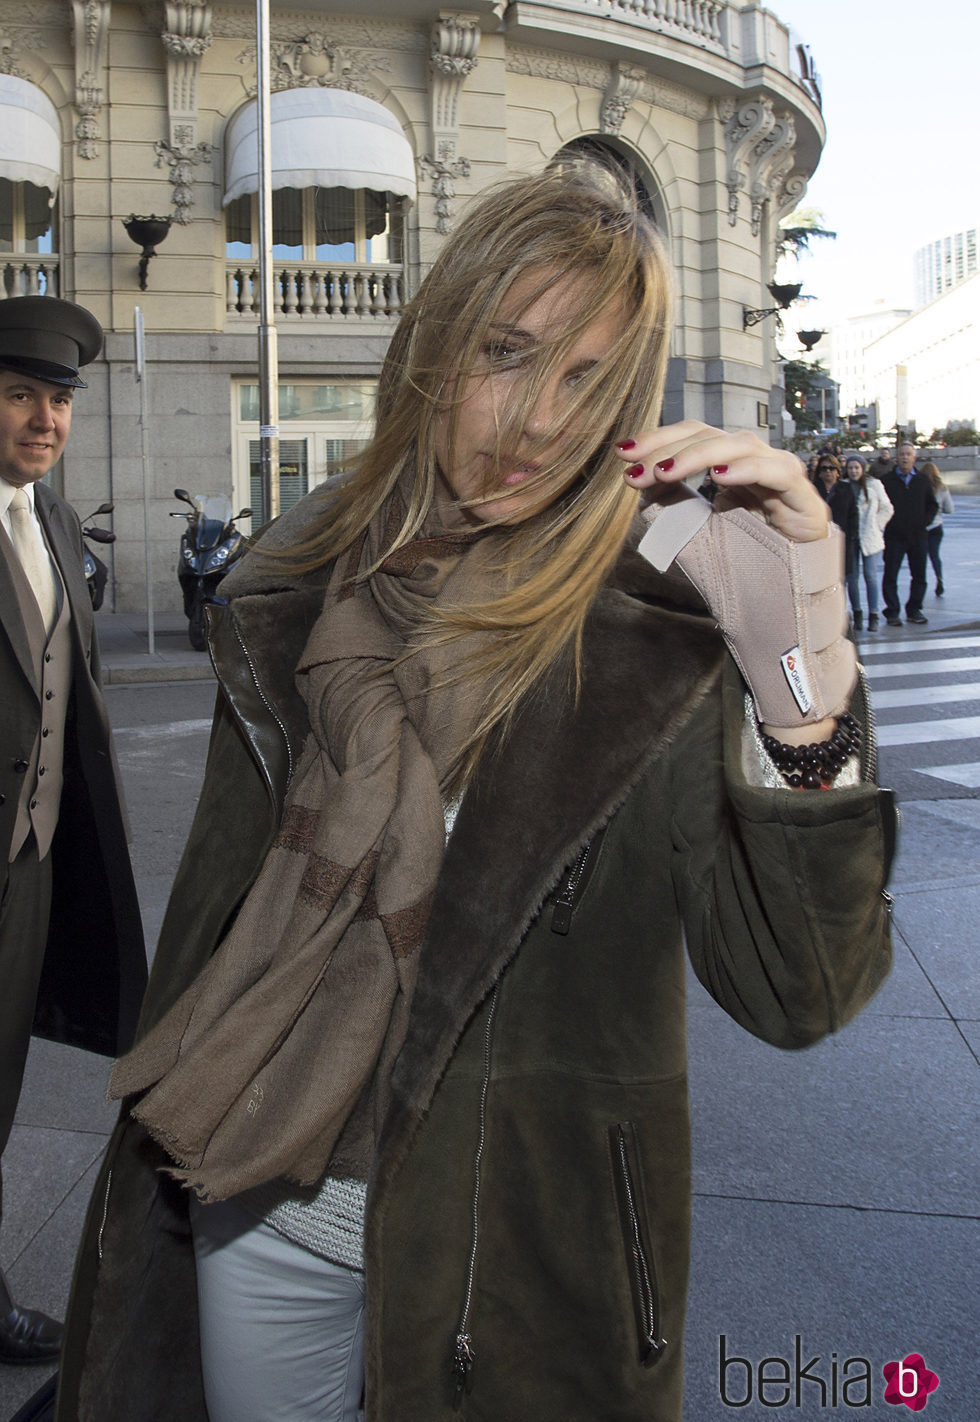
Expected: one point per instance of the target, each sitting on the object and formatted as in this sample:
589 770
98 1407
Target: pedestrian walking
71 948
915 506
934 531
882 464
840 495
874 510
412 1061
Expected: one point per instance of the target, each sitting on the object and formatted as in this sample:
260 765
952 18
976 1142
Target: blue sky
901 100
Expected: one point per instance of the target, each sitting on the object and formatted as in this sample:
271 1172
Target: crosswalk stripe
870 651
916 733
916 668
967 775
926 695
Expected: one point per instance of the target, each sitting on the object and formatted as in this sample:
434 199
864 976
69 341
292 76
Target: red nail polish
665 466
719 469
626 444
634 471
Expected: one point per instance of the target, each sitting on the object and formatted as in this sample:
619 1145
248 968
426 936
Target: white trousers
282 1331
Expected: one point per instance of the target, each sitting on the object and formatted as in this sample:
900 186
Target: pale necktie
26 538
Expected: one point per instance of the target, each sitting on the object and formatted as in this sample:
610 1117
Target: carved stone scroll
625 85
187 38
91 35
746 125
455 41
790 195
772 162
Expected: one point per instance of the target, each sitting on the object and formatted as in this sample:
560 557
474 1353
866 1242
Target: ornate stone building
386 118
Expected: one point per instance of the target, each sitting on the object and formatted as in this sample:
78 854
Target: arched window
617 166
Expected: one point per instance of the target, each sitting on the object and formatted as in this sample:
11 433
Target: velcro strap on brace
780 604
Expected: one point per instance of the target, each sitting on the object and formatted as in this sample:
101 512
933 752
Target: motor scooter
209 546
96 572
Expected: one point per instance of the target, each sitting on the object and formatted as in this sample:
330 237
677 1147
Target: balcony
699 21
27 274
314 292
714 47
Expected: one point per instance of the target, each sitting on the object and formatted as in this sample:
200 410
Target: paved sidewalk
126 658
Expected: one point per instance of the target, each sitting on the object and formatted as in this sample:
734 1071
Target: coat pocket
641 1263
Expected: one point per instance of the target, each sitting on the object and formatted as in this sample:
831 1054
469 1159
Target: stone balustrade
699 20
319 292
26 274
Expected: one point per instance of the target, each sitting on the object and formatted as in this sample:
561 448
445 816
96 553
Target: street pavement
836 1190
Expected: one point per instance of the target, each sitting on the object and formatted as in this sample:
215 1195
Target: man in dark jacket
905 535
72 961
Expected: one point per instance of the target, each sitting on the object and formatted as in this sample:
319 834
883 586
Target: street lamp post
268 343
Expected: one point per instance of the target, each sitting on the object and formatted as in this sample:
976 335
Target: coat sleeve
781 892
232 828
885 507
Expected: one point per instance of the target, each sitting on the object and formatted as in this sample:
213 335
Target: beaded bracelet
815 766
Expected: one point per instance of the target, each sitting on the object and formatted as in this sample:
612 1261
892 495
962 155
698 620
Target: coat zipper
266 702
871 741
105 1213
463 1352
892 816
575 883
643 1278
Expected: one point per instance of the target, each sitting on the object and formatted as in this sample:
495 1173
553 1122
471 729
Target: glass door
321 428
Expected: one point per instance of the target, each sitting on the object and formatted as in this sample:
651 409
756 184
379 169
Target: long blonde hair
931 471
553 227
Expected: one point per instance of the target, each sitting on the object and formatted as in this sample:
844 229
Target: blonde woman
934 531
413 1053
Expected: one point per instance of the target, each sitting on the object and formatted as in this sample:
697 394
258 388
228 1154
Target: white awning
327 138
30 135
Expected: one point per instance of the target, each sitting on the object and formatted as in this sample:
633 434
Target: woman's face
827 473
477 465
854 469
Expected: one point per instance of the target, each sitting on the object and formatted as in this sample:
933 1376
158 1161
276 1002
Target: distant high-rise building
848 340
943 264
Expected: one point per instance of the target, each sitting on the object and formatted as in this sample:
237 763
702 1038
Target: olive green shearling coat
547 1037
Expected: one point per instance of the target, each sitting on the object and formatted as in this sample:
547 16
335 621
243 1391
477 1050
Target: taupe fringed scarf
276 1060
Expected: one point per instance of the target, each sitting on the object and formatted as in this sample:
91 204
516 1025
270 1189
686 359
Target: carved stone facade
91 18
761 149
625 83
15 41
318 60
705 102
452 58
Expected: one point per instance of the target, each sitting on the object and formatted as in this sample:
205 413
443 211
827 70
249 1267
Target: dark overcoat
95 964
547 1034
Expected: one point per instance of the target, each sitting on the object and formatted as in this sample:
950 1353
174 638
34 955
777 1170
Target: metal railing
319 292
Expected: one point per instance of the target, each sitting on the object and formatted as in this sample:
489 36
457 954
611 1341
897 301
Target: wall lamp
146 232
808 339
783 295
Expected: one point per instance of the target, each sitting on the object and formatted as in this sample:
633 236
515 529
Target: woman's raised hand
748 472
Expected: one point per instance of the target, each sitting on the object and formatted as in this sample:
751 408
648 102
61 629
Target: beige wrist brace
780 605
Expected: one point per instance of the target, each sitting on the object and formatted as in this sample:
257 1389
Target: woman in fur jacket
505 717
